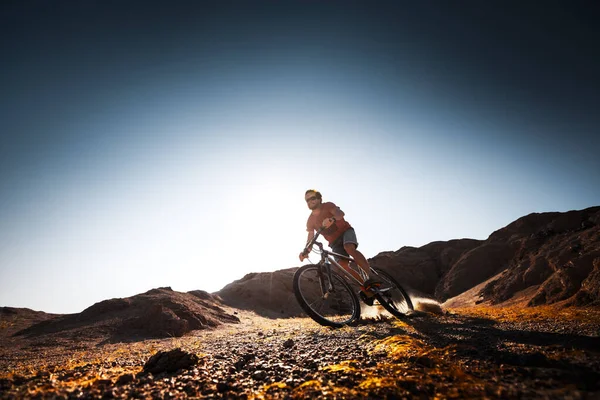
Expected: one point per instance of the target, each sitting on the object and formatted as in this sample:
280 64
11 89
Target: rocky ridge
549 257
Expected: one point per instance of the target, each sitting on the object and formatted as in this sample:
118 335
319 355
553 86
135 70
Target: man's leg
338 247
346 265
358 257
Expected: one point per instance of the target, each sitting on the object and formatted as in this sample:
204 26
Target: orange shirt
335 230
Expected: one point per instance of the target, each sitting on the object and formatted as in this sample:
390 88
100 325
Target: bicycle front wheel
392 296
325 296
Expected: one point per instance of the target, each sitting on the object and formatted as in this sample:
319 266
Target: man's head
313 198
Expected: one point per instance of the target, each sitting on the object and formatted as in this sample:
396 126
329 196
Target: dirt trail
464 353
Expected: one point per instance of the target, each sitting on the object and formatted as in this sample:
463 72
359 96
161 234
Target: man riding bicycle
338 232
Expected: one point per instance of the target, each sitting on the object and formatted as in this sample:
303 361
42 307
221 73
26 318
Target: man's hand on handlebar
304 254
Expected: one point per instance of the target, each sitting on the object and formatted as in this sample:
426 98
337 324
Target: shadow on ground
572 358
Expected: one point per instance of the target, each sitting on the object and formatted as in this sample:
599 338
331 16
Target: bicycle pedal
366 299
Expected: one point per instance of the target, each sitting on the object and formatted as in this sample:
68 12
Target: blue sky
154 144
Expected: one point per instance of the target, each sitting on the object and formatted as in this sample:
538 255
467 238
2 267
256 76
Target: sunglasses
311 198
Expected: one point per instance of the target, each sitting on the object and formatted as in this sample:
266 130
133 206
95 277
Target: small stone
43 374
239 364
108 394
191 390
222 387
125 379
103 382
288 344
259 375
425 361
5 384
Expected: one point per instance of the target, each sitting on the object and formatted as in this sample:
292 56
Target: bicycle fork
326 284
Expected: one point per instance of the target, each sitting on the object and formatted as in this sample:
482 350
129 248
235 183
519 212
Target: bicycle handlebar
313 241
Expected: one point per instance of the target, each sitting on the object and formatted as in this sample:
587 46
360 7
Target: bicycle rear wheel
325 296
392 296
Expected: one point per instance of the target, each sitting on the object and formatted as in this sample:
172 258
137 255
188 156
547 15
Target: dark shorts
349 236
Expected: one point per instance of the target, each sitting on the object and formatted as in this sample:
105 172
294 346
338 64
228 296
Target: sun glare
273 217
261 228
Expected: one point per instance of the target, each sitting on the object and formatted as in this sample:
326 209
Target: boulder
170 361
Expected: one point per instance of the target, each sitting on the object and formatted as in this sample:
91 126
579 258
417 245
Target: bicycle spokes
392 296
325 296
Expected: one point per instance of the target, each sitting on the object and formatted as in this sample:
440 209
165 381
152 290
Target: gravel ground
454 355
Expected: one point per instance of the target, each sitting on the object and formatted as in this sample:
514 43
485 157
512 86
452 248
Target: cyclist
338 232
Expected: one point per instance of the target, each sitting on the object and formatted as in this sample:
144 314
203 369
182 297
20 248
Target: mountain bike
326 295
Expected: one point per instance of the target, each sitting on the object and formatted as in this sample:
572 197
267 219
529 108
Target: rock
125 379
103 382
288 344
239 364
423 361
222 387
170 361
259 375
5 384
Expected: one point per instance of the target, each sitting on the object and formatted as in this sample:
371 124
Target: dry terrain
475 352
521 319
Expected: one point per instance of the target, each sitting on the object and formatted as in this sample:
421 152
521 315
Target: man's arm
311 235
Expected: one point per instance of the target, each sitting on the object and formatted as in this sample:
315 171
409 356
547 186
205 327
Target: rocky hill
558 253
269 294
13 320
546 257
159 312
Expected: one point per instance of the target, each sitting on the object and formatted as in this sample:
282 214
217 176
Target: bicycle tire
338 308
392 295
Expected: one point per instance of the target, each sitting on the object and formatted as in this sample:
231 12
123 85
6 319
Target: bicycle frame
338 298
327 257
